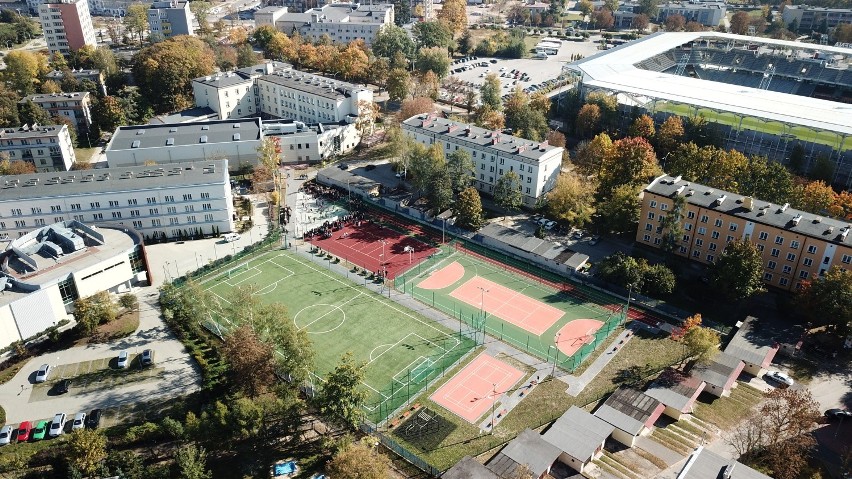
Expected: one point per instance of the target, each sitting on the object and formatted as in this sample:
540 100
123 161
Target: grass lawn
84 155
545 403
729 411
403 350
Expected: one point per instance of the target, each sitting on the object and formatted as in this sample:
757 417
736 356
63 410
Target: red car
24 431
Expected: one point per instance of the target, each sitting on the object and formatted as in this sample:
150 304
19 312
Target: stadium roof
615 70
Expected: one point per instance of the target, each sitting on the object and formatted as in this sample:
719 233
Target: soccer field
402 350
525 312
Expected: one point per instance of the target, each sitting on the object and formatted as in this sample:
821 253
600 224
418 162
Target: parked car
63 386
147 357
40 430
79 421
24 431
5 435
58 425
93 420
595 240
43 371
123 359
549 225
838 414
231 237
780 377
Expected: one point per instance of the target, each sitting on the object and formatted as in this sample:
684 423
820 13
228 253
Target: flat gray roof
751 348
111 180
705 464
48 97
480 137
578 433
469 468
628 409
224 80
530 244
615 70
674 388
531 449
36 132
762 212
718 371
311 84
182 134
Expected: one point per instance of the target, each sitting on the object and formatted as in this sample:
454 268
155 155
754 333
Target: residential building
677 391
269 16
426 6
632 413
494 154
94 75
342 22
579 437
48 148
45 270
169 18
75 106
809 18
754 350
96 7
720 373
708 13
67 25
795 245
703 464
236 140
277 90
174 201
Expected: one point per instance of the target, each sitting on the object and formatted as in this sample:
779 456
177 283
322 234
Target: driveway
174 373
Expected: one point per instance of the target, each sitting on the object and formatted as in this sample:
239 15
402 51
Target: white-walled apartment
342 22
276 90
75 106
494 154
48 147
162 201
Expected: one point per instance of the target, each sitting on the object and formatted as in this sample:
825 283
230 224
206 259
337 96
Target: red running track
363 246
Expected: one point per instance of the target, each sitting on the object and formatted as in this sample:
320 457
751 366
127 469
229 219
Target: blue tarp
286 468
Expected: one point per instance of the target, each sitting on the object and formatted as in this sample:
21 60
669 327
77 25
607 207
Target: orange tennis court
509 305
470 393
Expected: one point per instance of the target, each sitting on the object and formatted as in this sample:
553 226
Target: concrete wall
572 462
8 328
237 152
103 276
623 437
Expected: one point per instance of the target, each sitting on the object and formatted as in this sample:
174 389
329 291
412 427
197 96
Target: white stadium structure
764 95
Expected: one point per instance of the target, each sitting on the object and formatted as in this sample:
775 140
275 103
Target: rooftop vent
140 132
784 208
170 141
236 136
797 219
236 125
203 139
173 129
679 190
844 233
205 127
818 219
677 178
690 192
708 192
748 203
135 144
721 199
729 471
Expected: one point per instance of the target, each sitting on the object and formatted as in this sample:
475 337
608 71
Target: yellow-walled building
795 245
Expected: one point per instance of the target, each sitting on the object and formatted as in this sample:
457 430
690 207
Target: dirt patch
122 326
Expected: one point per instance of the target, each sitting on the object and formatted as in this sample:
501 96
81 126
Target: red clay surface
470 393
363 246
509 305
577 333
444 277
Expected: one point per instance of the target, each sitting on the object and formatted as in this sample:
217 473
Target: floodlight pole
493 403
482 310
556 359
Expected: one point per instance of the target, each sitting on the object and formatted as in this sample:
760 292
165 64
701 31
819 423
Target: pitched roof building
677 391
579 436
632 413
720 374
529 449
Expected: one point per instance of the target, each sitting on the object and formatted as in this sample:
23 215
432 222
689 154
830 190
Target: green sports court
402 349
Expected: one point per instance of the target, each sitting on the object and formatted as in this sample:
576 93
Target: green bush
143 432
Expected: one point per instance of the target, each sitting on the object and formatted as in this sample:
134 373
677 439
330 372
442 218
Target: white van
231 237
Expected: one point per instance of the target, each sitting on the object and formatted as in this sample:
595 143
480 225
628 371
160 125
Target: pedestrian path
576 384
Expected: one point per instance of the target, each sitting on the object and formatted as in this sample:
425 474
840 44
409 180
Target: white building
494 154
276 90
50 267
181 199
269 16
67 25
75 106
49 147
342 22
169 18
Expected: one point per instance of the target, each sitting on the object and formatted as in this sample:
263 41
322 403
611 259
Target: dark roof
546 249
719 370
628 409
762 212
481 137
751 348
578 433
528 448
469 468
182 134
37 131
705 464
312 84
675 389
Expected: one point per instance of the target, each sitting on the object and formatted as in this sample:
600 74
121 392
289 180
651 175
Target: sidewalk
576 384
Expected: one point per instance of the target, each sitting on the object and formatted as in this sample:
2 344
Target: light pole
482 309
409 250
349 189
556 359
197 263
177 268
165 272
493 403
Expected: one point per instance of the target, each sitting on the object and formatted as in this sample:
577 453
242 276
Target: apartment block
342 22
48 147
75 106
708 13
269 16
494 154
170 201
813 18
795 245
67 25
94 75
169 18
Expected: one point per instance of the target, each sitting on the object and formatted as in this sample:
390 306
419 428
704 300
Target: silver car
43 371
79 421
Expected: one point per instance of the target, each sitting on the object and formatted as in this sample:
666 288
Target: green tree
136 20
164 71
740 22
632 161
822 169
434 59
650 7
572 200
489 94
701 344
433 34
108 113
588 121
191 463
672 224
201 10
24 70
263 36
94 310
342 395
643 127
8 108
623 270
401 12
468 209
669 135
738 273
246 56
460 167
441 190
31 113
454 13
591 155
767 180
507 191
465 44
359 460
86 449
251 362
619 212
827 300
392 40
399 84
128 301
585 7
658 280
423 163
525 118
